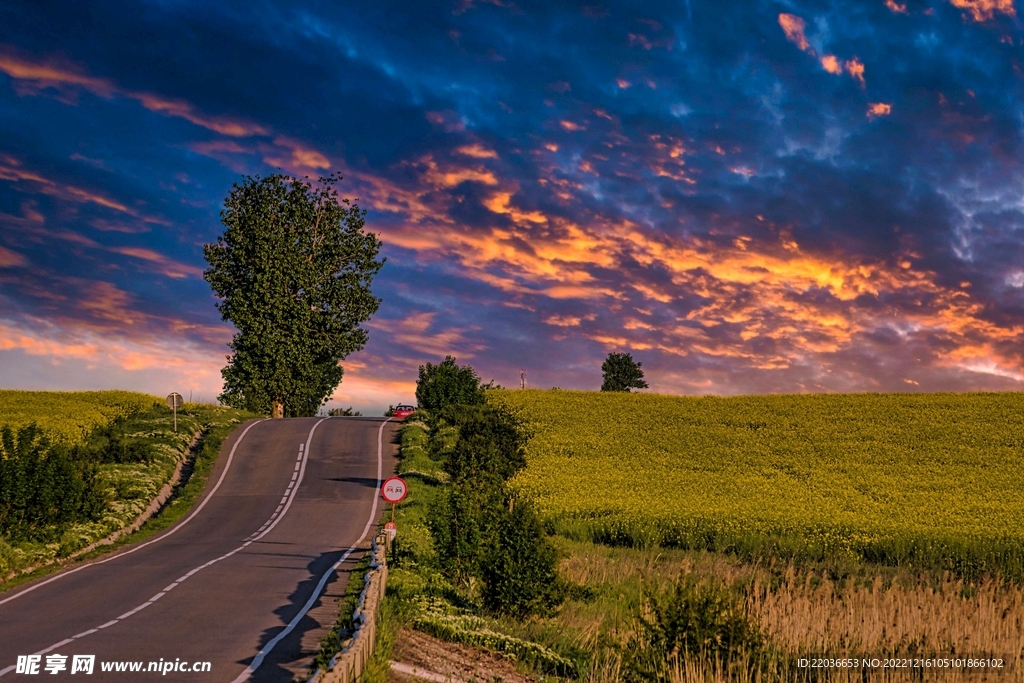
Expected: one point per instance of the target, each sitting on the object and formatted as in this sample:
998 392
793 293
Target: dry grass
810 613
880 610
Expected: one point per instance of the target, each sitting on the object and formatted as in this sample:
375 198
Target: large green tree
293 271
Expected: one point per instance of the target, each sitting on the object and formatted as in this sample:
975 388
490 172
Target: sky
748 197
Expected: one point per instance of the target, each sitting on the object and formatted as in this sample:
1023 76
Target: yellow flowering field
68 416
932 480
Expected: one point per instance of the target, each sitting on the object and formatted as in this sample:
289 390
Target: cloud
793 26
11 259
985 10
876 109
414 332
34 77
164 265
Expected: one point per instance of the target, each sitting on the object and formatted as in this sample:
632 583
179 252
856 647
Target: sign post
394 490
174 401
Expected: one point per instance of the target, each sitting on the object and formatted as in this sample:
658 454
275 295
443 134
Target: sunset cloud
793 26
876 109
985 10
742 217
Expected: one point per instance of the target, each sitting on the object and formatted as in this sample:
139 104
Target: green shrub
42 489
518 567
490 443
455 525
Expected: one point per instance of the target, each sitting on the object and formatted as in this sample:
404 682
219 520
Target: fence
348 665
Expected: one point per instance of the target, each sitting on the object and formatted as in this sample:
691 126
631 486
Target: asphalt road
236 583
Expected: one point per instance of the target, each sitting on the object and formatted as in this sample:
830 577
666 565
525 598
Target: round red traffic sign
394 489
389 526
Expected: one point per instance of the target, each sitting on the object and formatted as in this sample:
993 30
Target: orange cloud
855 68
300 158
147 364
570 126
985 10
11 169
477 151
831 64
793 27
896 6
876 109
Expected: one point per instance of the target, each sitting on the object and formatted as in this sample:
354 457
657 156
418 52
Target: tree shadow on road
293 655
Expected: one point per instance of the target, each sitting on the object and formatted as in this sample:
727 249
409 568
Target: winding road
244 582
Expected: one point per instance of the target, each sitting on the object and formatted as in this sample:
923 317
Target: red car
403 411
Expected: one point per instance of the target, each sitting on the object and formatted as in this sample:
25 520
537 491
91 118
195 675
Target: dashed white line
261 655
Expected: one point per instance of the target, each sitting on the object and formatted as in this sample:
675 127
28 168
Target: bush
41 487
455 525
491 443
695 620
518 568
447 384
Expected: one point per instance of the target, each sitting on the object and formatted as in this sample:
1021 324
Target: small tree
621 373
447 384
293 272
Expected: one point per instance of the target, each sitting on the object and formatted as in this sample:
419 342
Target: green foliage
518 565
293 271
478 532
917 480
344 412
447 384
41 487
447 622
490 443
621 373
694 619
456 523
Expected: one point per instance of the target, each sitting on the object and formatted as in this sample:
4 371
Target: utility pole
522 379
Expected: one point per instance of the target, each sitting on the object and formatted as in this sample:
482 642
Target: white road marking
262 654
173 531
274 519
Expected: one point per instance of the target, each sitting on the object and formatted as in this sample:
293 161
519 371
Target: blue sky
751 197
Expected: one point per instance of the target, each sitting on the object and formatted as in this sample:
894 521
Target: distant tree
344 412
293 271
448 384
390 412
621 373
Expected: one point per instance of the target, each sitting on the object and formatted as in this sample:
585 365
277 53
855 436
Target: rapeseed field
920 480
68 416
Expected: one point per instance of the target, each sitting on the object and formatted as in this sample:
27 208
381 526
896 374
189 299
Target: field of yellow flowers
927 480
68 416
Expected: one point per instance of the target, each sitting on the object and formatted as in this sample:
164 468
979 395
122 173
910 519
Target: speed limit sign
394 489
